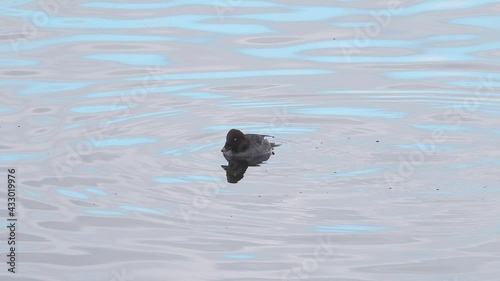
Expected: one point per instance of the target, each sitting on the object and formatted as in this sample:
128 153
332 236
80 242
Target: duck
252 148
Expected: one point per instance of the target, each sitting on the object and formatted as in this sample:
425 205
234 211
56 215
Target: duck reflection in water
244 150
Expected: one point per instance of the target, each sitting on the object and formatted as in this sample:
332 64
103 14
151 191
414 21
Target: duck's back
258 144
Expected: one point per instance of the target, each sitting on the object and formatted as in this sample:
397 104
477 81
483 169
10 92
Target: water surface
387 112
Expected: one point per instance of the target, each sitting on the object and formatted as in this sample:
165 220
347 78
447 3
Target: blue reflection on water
14 157
189 149
95 191
99 108
461 166
104 212
34 194
447 128
352 24
262 129
350 51
72 193
432 74
186 179
452 37
239 256
352 111
345 228
169 180
176 152
150 114
491 22
141 209
123 142
197 147
72 126
360 172
44 87
486 84
201 178
17 62
441 5
143 89
179 3
302 14
199 95
46 120
338 173
233 103
59 41
193 22
235 74
493 161
132 59
6 109
423 147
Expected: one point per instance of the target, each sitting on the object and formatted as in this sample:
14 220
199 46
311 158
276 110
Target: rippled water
387 113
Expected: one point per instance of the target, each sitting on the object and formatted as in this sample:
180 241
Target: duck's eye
235 139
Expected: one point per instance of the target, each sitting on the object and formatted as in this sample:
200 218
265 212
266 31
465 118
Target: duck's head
235 141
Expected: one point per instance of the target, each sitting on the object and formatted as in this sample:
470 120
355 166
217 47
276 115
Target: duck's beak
224 149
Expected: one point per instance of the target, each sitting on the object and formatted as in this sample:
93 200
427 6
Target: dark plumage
247 147
236 142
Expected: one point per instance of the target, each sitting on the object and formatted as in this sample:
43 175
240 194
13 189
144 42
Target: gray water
387 115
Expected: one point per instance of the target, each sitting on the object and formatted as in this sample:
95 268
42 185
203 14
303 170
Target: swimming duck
247 147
